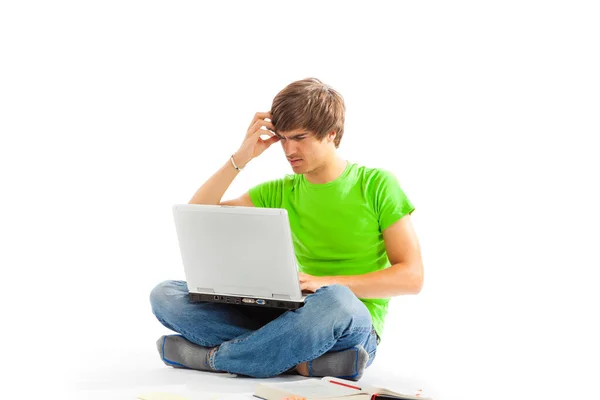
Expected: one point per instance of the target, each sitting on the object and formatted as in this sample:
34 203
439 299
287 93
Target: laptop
238 255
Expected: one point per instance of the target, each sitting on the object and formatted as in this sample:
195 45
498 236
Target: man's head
308 116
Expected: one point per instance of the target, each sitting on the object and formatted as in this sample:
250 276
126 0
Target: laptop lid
243 251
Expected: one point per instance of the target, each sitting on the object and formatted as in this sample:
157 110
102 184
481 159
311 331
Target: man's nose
288 147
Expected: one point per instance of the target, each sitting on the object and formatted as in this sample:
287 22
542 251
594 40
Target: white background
112 111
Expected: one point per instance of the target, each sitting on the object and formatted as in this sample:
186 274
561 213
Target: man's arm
404 276
213 189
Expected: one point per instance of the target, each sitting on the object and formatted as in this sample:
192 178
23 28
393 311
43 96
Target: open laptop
238 255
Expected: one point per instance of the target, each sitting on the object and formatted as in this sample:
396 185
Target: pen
388 397
344 384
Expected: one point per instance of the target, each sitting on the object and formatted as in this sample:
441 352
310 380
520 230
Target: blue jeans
265 342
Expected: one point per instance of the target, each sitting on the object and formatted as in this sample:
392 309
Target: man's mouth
294 161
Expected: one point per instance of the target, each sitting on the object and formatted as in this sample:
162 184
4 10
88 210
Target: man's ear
331 136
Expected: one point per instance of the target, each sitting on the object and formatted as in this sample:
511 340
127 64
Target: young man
354 243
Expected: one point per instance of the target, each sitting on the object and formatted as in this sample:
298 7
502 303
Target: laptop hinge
280 296
204 290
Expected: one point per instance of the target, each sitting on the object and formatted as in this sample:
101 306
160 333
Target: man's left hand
312 283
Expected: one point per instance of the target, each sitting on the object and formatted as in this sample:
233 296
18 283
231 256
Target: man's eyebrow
292 137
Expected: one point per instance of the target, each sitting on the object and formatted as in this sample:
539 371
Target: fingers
262 115
259 116
257 128
268 142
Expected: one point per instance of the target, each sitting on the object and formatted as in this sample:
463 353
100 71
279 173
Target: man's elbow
417 280
410 279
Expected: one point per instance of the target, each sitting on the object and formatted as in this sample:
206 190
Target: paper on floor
215 396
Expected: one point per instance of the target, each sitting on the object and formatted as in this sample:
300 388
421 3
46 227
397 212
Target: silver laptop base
246 301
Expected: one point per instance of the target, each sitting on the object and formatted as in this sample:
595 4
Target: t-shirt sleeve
391 202
267 194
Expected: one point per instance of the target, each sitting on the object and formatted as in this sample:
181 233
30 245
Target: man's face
304 152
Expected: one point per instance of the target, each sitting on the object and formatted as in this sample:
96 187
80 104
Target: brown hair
312 105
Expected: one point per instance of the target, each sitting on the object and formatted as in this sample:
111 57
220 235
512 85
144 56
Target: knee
163 293
336 294
341 303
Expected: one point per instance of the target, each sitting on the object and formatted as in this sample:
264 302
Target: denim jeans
265 342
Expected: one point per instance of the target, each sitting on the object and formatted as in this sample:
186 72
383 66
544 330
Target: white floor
94 336
100 344
123 365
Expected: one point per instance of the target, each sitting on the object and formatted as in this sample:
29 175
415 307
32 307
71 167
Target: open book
327 388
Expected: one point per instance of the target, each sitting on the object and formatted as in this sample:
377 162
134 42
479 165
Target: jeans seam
358 329
211 359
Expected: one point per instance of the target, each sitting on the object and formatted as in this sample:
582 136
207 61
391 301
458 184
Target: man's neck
327 172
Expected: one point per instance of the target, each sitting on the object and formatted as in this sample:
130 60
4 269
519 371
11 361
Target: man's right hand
253 144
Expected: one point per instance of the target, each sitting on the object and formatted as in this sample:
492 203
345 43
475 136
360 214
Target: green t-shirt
337 226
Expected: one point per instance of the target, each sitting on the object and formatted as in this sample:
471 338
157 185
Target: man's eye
300 138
